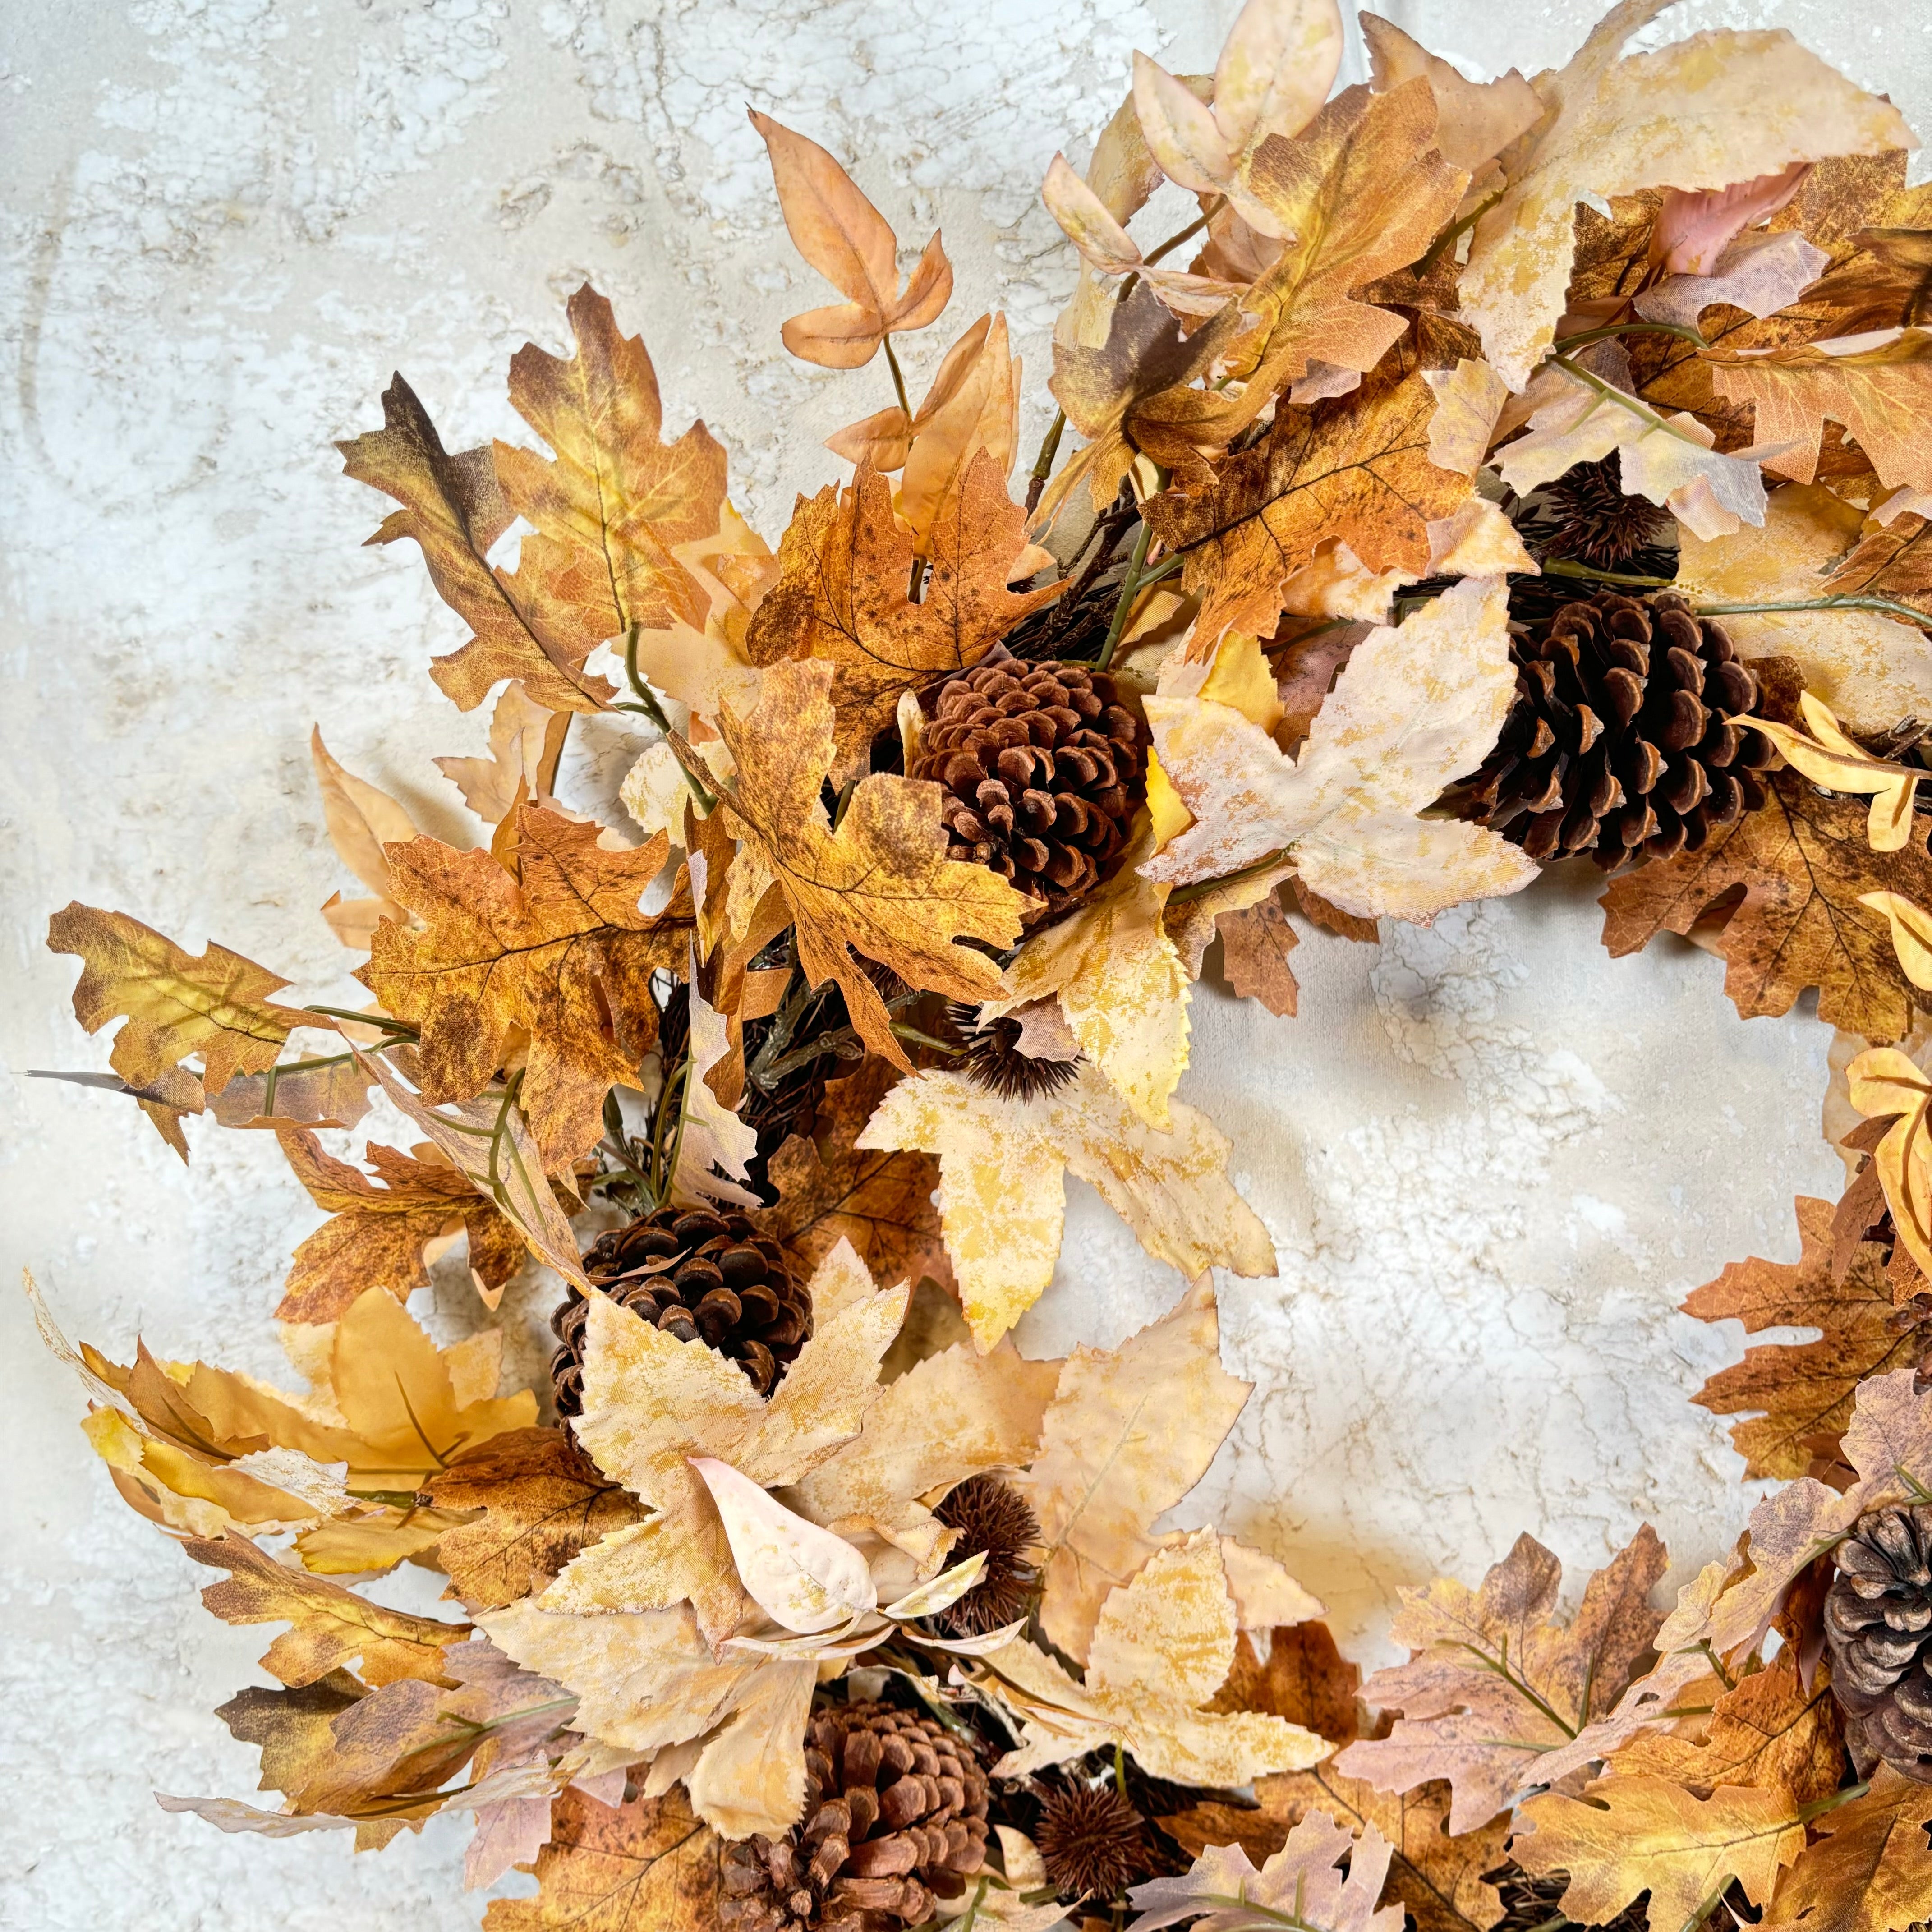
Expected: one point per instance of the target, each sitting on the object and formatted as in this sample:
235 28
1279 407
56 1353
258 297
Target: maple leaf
1881 392
1870 669
1357 469
540 1501
525 743
328 1625
1804 1390
649 1866
1475 121
831 1189
1255 942
1161 1647
1626 1835
1706 113
1804 863
1300 1884
844 564
1871 1871
615 500
881 887
1893 558
361 819
1002 1198
1415 706
1771 1731
850 243
524 625
376 1236
1306 1680
1492 1684
559 949
175 1003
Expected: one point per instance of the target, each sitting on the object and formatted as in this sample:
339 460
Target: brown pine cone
1044 768
1878 1624
895 1816
1616 744
698 1275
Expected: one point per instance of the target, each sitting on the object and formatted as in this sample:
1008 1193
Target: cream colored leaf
1477 541
526 741
1001 1200
1169 1632
1087 222
361 819
1911 935
803 1577
1468 399
1266 1597
1276 66
713 1137
1475 121
948 1587
1716 108
1871 670
1830 759
751 1777
1759 274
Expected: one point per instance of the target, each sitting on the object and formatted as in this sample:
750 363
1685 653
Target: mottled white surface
1492 1158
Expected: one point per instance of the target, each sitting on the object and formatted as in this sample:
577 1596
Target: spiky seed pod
697 1276
1589 519
992 1058
991 1516
1878 1624
894 1817
1617 743
1043 769
1091 1841
1531 1904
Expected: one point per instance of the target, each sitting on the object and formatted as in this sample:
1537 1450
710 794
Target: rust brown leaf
1255 943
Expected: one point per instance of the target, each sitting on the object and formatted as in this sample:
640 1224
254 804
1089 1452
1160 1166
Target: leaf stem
648 705
1889 605
898 379
1448 238
400 1028
1562 566
1130 586
1043 464
1565 344
1624 400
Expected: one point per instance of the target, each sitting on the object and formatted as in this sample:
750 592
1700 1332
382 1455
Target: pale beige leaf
361 819
1468 399
1475 121
1087 222
802 1577
716 1145
751 1777
1276 66
1759 274
526 741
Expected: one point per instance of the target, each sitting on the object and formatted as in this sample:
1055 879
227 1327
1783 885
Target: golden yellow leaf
1871 1871
879 888
847 240
1706 111
561 952
1002 1198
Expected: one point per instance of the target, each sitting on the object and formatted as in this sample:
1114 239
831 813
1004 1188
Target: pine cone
698 1275
1531 1904
1878 1622
1617 743
895 1816
1044 769
1585 517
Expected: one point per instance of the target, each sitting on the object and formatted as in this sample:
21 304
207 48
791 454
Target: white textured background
1492 1158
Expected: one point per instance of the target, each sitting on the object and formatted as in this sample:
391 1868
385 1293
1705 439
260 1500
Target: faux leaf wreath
1514 472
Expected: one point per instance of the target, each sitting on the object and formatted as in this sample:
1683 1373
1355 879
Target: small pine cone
1044 769
1091 1841
993 1517
1878 1624
894 1817
1617 743
1530 1904
700 1276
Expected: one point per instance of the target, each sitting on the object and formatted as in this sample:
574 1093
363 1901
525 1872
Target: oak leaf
1804 1390
1893 558
1357 469
376 1236
849 242
1301 1884
1803 865
1871 1871
844 565
880 888
1707 112
528 625
328 1625
649 1866
1493 1683
830 1189
560 951
1416 706
1002 1196
1870 669
542 1500
1626 1835
1162 1646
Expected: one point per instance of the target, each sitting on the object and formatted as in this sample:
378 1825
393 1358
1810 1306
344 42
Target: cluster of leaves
1412 307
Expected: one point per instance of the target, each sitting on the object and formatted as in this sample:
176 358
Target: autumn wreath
1514 471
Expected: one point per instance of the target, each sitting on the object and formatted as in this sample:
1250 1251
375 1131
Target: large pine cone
1616 744
700 1276
1878 1622
1044 769
895 1816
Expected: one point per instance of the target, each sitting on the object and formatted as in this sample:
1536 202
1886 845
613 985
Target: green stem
1043 464
400 1028
1562 566
1172 242
1120 1768
1448 238
1889 606
1130 586
898 379
1624 400
1201 888
648 706
1819 1806
1563 347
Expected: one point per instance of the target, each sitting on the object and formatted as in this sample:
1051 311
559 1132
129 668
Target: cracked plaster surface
1493 1159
